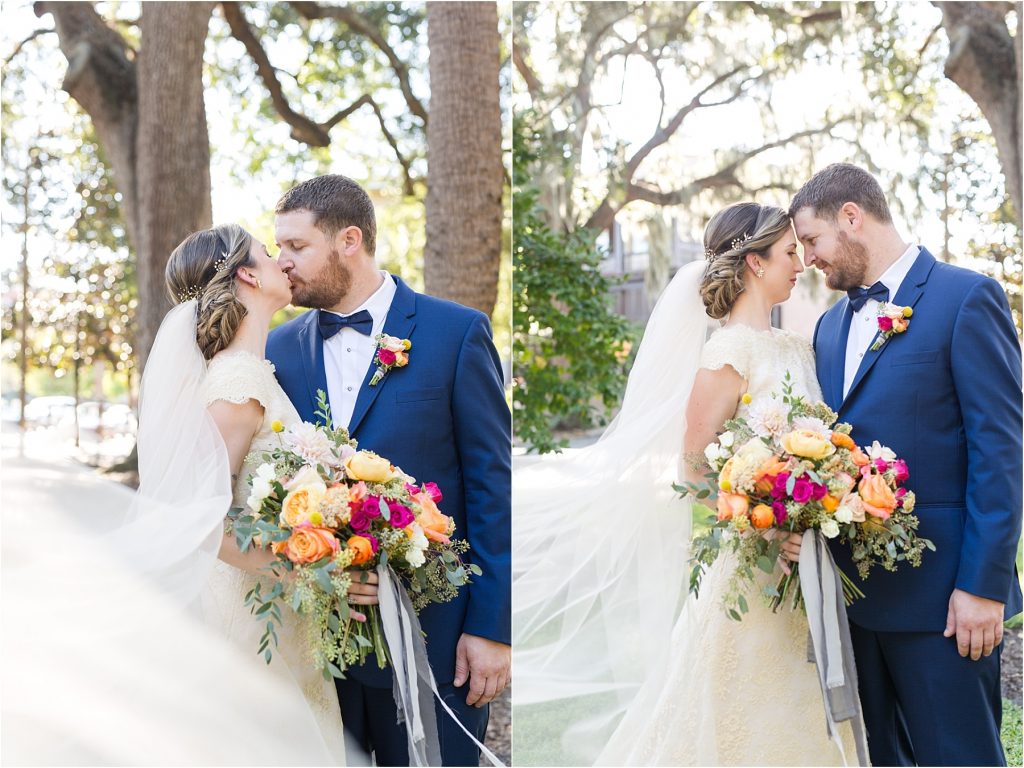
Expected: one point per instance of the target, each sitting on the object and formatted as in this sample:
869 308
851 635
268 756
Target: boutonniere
392 352
892 319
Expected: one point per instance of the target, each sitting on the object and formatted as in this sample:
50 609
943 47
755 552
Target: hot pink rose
386 357
884 323
433 491
401 516
900 470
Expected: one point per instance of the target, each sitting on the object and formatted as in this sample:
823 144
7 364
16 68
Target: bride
614 664
137 648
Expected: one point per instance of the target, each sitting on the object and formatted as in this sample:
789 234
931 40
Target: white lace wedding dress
237 377
736 693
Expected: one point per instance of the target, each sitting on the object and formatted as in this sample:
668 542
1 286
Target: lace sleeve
727 347
239 377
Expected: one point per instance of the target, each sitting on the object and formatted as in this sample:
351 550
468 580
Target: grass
1012 735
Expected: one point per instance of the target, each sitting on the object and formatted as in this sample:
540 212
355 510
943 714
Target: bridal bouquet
782 469
330 513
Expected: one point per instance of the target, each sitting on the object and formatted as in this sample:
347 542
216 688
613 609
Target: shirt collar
379 302
894 275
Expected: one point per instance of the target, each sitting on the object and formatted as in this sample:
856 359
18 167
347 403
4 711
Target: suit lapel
311 344
399 323
910 291
839 355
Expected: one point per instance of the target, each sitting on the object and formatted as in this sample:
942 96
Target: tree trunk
463 205
172 149
148 113
985 61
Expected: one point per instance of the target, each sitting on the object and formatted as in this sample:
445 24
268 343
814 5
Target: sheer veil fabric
601 548
106 657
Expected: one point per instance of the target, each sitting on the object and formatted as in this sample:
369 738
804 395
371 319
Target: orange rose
859 457
401 359
841 440
435 525
731 504
830 503
877 497
762 516
766 474
308 544
361 549
300 506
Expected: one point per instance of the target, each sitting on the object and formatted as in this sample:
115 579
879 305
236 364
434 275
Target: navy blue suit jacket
946 397
442 418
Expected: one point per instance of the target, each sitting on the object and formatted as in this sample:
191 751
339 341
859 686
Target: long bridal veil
106 659
601 549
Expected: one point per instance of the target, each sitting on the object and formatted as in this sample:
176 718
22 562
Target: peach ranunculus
762 516
732 504
877 497
368 466
767 472
808 444
435 525
301 506
724 483
361 549
308 544
401 359
843 440
859 457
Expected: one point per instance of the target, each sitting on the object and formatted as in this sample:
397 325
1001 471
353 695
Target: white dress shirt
864 325
348 354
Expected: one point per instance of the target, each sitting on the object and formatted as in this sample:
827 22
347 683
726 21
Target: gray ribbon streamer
829 644
414 685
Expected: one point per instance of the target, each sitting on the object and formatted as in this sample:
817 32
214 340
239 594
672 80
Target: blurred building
645 254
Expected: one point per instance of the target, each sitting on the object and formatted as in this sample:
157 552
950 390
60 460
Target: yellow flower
747 399
408 344
908 311
368 466
807 443
277 426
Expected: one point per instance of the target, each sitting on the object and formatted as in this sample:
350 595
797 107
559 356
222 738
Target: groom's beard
328 287
849 266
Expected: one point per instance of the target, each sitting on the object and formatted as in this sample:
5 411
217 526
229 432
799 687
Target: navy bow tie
331 323
859 296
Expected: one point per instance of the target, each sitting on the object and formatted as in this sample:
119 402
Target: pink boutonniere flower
392 352
892 319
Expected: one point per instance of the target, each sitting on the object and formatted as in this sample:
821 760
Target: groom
945 395
442 418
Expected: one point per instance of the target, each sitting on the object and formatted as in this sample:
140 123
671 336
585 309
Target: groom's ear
850 217
349 240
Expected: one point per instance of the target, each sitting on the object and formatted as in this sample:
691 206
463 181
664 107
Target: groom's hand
485 664
977 623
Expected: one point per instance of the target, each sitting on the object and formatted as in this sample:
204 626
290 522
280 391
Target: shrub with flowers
330 513
780 469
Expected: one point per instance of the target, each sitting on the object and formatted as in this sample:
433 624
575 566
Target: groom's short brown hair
837 184
336 202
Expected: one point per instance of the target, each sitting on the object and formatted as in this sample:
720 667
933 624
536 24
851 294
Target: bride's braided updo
203 267
731 234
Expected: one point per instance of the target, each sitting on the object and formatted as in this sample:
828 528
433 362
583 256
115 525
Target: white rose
261 487
843 515
307 477
417 546
830 529
712 454
879 451
726 439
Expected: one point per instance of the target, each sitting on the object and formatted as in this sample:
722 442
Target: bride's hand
790 551
364 587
